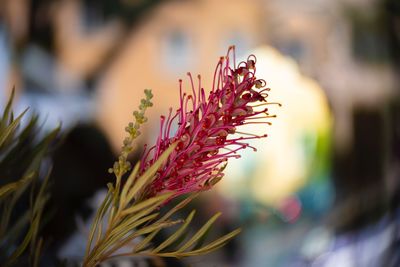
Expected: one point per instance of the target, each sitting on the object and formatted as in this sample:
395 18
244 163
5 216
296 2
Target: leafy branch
20 160
125 220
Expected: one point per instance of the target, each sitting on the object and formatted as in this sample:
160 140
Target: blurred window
369 37
294 48
177 51
92 19
241 41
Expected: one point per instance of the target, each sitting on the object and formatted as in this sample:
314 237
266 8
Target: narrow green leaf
38 251
99 216
142 244
42 197
11 117
11 187
181 205
116 239
149 175
119 235
99 231
132 218
152 227
11 203
123 200
21 248
215 244
151 202
7 110
11 128
13 233
156 226
176 235
37 216
145 241
37 209
200 232
111 209
207 249
200 242
29 129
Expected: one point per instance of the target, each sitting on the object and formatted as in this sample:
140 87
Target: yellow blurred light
279 167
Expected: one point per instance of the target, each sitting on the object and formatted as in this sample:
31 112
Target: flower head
206 124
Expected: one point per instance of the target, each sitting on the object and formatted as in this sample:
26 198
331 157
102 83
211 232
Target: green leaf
200 232
149 175
119 235
10 203
17 155
38 250
220 242
215 244
142 244
176 235
7 110
181 205
22 247
123 200
116 239
148 229
37 211
11 187
99 216
132 218
152 203
4 135
20 161
13 232
156 226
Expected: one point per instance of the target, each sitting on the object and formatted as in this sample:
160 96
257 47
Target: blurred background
324 187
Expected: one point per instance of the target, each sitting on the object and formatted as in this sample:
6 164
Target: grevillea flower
205 137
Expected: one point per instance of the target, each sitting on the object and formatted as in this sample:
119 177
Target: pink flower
206 126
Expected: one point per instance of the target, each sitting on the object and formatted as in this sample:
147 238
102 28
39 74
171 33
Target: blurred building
341 44
176 37
332 41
